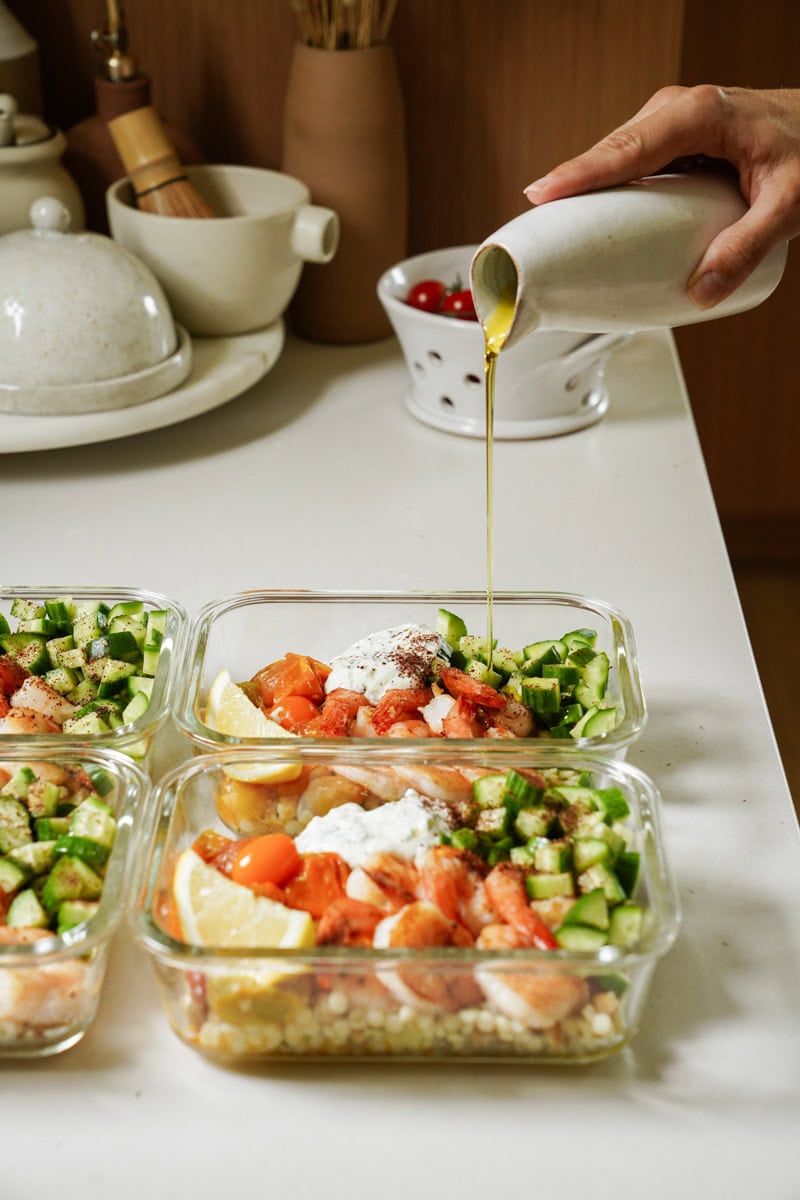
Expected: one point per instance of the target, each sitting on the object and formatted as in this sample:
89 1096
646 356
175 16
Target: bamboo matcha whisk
159 182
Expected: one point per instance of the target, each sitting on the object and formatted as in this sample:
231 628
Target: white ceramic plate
222 368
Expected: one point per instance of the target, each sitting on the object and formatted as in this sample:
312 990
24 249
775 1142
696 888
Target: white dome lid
76 308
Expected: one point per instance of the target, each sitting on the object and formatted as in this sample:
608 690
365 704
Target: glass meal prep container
64 884
365 993
113 655
242 633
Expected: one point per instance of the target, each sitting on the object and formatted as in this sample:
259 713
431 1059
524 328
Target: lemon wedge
229 711
215 911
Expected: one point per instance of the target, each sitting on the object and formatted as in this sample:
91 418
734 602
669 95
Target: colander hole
590 400
571 383
418 367
472 380
434 356
446 402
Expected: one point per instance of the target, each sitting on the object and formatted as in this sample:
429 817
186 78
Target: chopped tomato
266 679
210 844
270 858
299 677
319 882
294 713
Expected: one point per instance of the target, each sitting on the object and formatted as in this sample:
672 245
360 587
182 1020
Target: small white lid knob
49 215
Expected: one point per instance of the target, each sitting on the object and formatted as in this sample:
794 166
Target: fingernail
537 186
707 290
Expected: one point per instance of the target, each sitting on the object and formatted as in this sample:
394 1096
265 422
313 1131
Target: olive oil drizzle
495 331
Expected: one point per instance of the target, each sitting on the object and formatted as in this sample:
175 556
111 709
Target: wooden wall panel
742 373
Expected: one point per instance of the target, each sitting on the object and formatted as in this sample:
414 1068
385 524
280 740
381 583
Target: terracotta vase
344 137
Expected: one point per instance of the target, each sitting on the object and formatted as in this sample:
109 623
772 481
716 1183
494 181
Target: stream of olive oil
495 331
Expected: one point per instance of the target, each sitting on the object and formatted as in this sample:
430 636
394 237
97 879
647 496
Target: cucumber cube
580 938
542 887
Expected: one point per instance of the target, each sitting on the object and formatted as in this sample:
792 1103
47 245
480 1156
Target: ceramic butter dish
84 324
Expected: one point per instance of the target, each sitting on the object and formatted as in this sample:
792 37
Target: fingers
673 122
736 252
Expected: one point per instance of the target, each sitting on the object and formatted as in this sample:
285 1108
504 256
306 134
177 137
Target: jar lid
20 129
76 309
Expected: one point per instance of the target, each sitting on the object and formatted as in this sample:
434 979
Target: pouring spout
503 312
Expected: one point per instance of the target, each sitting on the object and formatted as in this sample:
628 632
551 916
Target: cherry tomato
426 295
300 677
270 858
459 304
294 712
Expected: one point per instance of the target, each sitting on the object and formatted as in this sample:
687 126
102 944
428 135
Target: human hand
758 132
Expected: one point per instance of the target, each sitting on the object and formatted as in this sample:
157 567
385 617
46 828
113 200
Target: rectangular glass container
244 632
135 737
50 988
245 1005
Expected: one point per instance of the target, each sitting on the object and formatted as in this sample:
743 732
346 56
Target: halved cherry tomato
293 712
270 858
426 295
459 304
266 679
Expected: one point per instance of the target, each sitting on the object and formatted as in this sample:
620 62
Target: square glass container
461 1003
134 738
50 987
245 631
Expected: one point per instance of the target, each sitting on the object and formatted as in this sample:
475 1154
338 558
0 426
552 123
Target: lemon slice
215 911
229 711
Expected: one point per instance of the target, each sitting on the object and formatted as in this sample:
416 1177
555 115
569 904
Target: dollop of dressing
393 658
402 827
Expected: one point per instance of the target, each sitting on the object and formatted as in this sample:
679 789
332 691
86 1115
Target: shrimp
500 937
463 720
440 783
361 724
11 674
35 694
51 994
505 891
459 683
340 707
348 922
435 712
553 910
453 881
420 985
385 881
325 792
536 998
513 717
26 720
383 782
409 729
399 704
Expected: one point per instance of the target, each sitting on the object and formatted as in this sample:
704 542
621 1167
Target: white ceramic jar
617 259
30 167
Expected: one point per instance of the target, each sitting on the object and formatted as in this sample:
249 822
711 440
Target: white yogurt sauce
393 658
402 827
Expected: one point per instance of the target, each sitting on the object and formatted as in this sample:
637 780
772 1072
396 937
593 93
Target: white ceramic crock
617 259
84 325
237 272
30 167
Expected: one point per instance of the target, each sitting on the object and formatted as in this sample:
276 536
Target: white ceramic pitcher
617 259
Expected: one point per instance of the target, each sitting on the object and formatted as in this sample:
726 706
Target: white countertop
318 477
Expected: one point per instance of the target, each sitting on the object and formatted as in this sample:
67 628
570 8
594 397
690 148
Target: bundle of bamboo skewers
344 24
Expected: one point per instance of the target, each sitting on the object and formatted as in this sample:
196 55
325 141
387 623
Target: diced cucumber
15 826
48 829
626 869
70 879
94 819
521 856
602 721
150 656
472 646
602 876
84 848
464 839
543 887
26 610
37 857
450 627
57 646
13 876
27 649
86 690
126 608
533 822
625 925
479 670
587 851
566 675
140 683
507 661
494 822
589 909
136 708
92 723
61 608
537 654
19 783
489 790
612 803
44 798
27 911
580 637
521 790
102 782
552 857
580 938
61 680
75 912
595 680
542 695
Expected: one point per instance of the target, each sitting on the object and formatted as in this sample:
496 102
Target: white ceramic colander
551 383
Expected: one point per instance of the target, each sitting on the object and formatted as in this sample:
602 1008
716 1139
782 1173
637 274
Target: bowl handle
315 233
